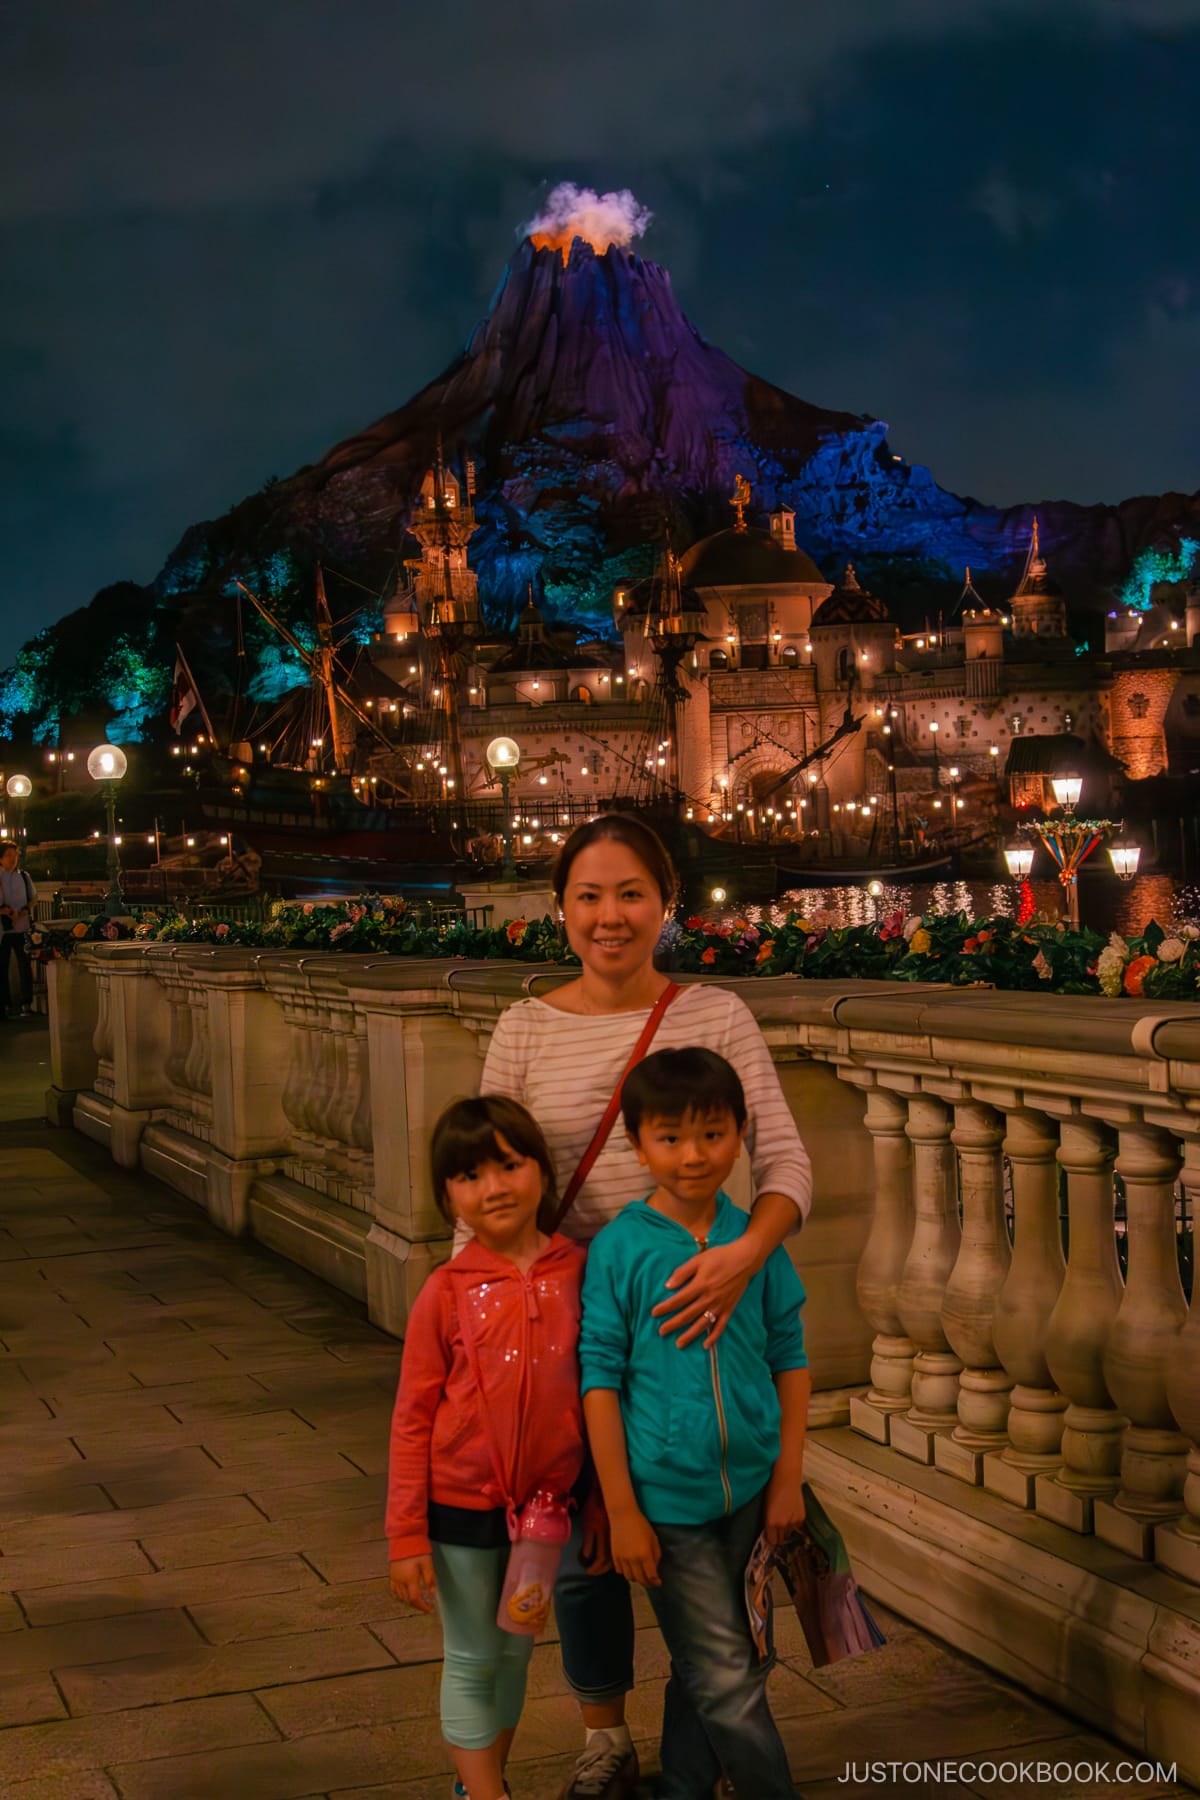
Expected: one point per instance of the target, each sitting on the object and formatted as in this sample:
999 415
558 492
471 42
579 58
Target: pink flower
339 931
1042 966
222 930
307 907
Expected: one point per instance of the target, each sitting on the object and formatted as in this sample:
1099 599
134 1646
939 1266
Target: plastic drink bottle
533 1561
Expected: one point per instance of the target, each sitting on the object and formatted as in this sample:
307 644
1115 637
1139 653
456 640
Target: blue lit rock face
599 421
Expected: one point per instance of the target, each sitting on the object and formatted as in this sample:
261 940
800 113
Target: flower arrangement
1001 952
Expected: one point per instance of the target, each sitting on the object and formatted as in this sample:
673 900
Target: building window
718 659
1139 705
583 695
791 656
845 664
964 727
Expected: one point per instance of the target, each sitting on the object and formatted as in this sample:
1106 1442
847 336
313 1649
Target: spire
970 598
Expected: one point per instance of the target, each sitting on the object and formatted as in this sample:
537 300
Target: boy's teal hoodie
701 1426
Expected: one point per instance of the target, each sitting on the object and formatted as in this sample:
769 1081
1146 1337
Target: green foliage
940 947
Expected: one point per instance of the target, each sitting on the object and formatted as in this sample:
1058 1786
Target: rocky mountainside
599 420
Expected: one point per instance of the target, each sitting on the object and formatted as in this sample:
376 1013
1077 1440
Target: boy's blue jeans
715 1714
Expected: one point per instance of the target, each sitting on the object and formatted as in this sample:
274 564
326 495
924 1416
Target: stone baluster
322 1049
180 1037
297 1089
1177 1546
969 1306
1023 1311
881 1267
1144 1338
1078 1332
931 1257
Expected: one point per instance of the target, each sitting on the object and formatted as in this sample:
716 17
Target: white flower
1117 942
1110 968
1171 949
1189 931
911 925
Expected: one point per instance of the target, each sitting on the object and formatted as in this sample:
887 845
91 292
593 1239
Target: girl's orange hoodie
525 1329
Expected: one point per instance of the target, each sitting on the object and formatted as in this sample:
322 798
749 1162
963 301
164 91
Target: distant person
488 1423
563 1056
697 1450
17 895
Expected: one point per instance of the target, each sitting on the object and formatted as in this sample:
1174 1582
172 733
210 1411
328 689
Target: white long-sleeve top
564 1067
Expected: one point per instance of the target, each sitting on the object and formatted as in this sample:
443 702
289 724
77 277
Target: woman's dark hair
468 1134
670 1084
624 829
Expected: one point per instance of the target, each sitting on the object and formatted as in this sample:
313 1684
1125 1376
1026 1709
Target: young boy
697 1450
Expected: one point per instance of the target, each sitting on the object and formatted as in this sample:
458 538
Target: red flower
694 923
970 947
709 955
515 930
1136 973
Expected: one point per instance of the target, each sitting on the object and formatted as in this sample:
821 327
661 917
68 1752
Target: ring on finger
709 1316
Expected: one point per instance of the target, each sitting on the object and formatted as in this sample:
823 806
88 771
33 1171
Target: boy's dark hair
669 1084
466 1135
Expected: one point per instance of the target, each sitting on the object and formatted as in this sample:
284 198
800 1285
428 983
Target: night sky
234 234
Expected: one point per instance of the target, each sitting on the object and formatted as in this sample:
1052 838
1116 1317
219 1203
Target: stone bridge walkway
193 1593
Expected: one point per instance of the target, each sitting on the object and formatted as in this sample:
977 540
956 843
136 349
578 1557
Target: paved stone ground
193 1593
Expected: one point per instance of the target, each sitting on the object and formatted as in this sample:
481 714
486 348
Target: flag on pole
184 698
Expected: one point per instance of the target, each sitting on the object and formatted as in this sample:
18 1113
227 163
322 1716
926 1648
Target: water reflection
1105 903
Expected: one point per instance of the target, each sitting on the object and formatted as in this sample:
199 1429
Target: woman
562 1056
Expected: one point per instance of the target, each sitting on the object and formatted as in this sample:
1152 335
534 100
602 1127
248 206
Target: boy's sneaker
605 1771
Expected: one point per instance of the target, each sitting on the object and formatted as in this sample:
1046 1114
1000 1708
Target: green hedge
1037 956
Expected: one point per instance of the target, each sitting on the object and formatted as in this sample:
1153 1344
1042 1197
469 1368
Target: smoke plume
600 219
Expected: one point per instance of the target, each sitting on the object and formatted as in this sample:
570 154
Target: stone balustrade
1006 1365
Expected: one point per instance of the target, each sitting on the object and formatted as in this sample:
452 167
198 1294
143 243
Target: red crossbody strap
614 1106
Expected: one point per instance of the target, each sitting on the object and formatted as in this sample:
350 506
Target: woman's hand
635 1548
705 1290
413 1581
783 1510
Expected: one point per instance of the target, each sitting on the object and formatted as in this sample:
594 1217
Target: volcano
601 424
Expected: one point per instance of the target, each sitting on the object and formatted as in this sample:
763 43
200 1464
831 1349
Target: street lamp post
933 732
1125 858
18 788
503 755
1071 841
107 764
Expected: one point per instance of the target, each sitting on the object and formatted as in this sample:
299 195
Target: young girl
487 1413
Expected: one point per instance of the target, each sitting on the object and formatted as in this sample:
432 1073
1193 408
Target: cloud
135 105
1017 212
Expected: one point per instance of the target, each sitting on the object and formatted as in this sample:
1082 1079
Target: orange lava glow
562 241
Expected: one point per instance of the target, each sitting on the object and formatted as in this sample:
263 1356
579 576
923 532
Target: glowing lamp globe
875 889
1125 859
503 753
18 787
107 763
1067 789
719 894
1019 858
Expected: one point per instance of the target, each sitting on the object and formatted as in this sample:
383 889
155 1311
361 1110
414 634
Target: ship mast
343 739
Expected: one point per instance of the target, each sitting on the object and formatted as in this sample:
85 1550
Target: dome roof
747 558
850 604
